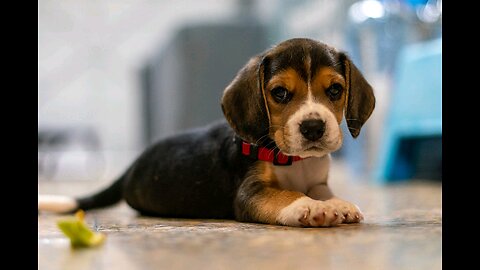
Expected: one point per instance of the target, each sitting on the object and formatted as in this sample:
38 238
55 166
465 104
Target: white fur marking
330 141
308 62
303 174
290 215
345 208
56 203
308 212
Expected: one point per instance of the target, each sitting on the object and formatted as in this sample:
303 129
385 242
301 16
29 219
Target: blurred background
116 75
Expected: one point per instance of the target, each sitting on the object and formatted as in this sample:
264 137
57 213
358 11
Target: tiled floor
402 230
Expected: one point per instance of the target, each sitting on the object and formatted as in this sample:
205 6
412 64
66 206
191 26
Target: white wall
89 57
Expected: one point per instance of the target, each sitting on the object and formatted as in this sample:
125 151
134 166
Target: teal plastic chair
415 109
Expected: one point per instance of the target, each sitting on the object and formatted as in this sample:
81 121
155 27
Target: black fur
106 197
192 175
293 55
250 188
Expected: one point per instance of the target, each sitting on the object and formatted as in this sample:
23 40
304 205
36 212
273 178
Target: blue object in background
415 3
415 108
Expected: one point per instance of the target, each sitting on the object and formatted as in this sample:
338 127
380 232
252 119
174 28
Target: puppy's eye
281 95
334 92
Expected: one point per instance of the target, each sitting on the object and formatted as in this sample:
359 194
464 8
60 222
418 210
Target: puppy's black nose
312 130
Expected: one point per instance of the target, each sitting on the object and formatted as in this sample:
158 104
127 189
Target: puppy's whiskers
260 139
273 151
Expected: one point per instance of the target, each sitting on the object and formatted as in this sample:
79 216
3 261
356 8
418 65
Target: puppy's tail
65 204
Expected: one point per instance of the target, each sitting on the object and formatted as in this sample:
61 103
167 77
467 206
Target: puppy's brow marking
308 65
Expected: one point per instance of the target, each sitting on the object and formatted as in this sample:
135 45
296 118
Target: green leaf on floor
79 233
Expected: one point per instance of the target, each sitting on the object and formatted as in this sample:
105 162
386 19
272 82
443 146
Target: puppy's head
296 95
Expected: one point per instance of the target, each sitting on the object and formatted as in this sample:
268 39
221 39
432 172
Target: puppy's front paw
349 211
310 213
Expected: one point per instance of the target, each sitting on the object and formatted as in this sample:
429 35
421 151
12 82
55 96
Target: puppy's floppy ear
243 103
360 100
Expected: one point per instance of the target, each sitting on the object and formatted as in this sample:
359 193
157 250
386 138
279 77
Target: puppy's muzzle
312 129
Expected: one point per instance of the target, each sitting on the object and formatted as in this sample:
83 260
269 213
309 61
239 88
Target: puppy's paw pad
303 212
307 212
296 214
320 218
350 212
310 213
353 216
323 215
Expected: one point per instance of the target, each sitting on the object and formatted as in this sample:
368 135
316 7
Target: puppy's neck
303 174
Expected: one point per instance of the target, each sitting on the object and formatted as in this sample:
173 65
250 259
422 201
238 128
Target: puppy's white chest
303 174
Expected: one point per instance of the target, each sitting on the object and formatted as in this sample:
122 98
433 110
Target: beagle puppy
268 162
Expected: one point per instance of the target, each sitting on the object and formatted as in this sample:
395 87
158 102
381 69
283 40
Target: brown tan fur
267 204
279 113
323 79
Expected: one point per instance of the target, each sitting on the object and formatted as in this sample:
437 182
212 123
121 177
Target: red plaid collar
265 154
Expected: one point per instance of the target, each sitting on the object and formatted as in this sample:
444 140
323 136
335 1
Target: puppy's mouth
304 148
309 150
314 148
